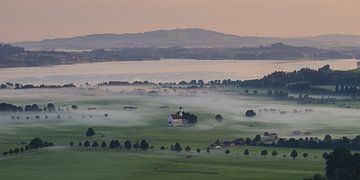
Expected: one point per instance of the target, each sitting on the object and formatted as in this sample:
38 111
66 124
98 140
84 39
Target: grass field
150 122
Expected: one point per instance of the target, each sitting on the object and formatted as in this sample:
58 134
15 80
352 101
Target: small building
215 146
177 119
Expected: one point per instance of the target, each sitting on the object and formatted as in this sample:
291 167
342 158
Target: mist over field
313 120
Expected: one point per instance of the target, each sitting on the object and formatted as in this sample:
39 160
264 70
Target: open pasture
149 121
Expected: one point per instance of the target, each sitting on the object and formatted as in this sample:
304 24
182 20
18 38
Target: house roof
176 116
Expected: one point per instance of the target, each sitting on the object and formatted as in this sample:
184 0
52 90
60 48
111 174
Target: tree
80 144
86 144
227 151
103 144
246 152
114 144
327 139
177 147
136 145
144 145
274 153
305 155
90 132
16 150
191 118
117 144
71 143
294 154
36 143
198 150
95 144
74 107
127 144
5 153
201 82
257 140
250 113
208 150
187 148
219 117
264 153
340 165
162 148
248 141
51 107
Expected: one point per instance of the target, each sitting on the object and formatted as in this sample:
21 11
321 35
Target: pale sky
39 19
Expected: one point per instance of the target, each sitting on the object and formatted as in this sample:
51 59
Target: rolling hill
188 38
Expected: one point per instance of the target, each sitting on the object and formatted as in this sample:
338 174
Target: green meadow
149 121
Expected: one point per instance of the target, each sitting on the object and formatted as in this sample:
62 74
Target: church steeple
180 111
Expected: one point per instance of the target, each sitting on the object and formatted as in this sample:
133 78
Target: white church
177 119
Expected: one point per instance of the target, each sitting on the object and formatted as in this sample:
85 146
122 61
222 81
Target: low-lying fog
284 118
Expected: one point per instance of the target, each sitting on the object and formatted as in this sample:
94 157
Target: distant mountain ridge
191 38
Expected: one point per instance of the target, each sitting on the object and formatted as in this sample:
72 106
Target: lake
162 71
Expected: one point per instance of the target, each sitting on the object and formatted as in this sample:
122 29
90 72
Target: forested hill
189 38
11 56
347 82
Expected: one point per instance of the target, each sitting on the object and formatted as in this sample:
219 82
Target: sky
22 20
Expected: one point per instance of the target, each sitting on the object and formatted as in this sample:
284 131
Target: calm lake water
164 70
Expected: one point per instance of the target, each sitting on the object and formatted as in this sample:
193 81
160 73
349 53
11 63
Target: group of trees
115 144
341 164
31 86
191 118
294 154
308 142
274 153
327 143
35 143
12 56
177 147
5 107
346 82
125 83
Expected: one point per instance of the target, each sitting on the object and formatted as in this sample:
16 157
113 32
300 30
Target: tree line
6 107
35 143
115 144
31 86
308 142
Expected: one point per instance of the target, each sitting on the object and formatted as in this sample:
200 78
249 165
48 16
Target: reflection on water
164 70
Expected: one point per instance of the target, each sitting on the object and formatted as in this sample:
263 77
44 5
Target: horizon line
173 29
